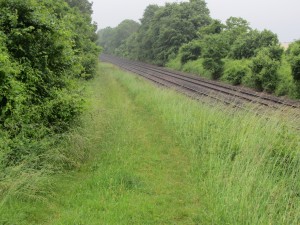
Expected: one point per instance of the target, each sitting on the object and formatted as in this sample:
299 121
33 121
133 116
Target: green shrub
44 46
264 68
293 55
286 85
190 51
196 67
215 66
215 48
235 71
174 63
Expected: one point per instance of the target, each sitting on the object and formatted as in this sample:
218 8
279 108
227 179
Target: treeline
46 47
161 32
183 36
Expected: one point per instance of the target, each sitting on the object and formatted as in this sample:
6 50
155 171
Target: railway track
197 86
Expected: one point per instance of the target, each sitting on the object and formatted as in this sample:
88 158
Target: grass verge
157 157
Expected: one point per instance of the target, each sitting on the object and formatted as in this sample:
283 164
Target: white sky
281 17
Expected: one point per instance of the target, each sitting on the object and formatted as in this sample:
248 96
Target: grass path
138 174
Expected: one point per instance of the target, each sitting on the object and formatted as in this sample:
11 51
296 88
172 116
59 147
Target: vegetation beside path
153 156
183 36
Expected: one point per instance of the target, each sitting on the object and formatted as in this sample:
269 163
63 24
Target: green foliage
286 85
190 51
224 166
84 6
172 26
236 26
293 54
215 48
162 32
196 67
44 46
236 44
175 63
215 66
215 27
235 71
111 39
264 68
247 44
178 34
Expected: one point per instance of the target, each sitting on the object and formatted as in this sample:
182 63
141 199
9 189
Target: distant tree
123 31
144 41
112 38
104 39
84 6
249 43
162 32
215 27
129 48
174 25
234 28
237 24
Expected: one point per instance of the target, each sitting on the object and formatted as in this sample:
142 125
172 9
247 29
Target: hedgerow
45 47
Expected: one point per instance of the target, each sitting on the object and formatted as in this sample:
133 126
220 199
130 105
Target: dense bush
293 54
214 49
264 67
190 51
235 71
44 46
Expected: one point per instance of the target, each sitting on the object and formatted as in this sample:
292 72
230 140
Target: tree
112 38
123 31
248 44
215 27
84 6
234 28
105 39
174 25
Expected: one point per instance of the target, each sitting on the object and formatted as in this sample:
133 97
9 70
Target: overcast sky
281 17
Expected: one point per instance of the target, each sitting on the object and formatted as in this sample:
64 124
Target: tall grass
153 156
194 67
247 167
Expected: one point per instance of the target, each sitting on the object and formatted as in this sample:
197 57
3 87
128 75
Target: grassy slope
157 157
